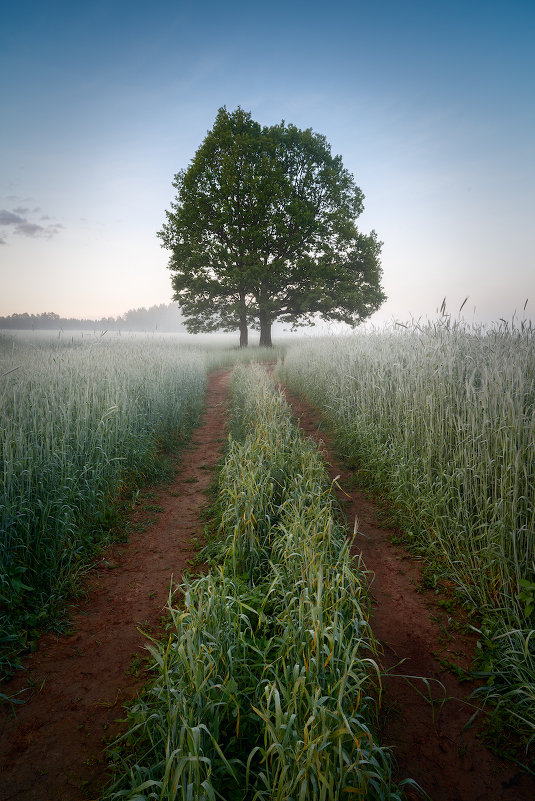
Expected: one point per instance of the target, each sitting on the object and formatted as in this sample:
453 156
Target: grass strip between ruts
267 687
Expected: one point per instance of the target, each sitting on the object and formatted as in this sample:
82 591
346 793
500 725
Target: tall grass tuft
267 687
441 419
80 421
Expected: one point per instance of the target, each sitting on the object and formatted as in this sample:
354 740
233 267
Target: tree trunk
265 330
244 334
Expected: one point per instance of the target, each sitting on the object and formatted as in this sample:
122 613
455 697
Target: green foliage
527 596
267 687
163 317
263 227
82 422
441 421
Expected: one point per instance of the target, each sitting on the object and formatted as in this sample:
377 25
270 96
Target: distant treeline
165 318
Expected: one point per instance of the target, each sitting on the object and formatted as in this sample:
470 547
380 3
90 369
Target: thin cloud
30 229
19 199
9 218
20 223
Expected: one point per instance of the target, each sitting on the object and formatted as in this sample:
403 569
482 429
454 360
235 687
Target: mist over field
267 387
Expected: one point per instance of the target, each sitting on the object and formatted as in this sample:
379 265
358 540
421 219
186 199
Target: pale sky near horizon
430 104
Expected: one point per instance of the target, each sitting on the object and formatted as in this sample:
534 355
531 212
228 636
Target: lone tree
263 228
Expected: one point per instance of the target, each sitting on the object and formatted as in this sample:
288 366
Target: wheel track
428 740
53 750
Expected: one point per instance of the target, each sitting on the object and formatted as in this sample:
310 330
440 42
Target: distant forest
165 318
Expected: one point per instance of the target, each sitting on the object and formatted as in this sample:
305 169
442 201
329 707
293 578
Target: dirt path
53 749
427 738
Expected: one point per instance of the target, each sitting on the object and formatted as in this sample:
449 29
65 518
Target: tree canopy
163 317
263 228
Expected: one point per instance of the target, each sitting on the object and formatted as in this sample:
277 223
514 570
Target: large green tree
263 228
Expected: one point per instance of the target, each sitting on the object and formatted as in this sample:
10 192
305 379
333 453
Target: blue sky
430 104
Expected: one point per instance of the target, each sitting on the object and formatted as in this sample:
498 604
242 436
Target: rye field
84 420
81 423
440 422
269 683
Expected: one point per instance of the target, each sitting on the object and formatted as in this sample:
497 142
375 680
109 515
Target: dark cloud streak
9 218
30 229
24 226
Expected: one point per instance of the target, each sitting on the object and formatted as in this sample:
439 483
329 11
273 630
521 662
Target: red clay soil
428 741
53 749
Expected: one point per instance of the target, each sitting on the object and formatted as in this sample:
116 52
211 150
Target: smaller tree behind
263 228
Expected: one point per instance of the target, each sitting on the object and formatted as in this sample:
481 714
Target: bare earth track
428 739
53 749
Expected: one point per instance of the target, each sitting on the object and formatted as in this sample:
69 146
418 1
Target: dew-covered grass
268 686
82 421
440 420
